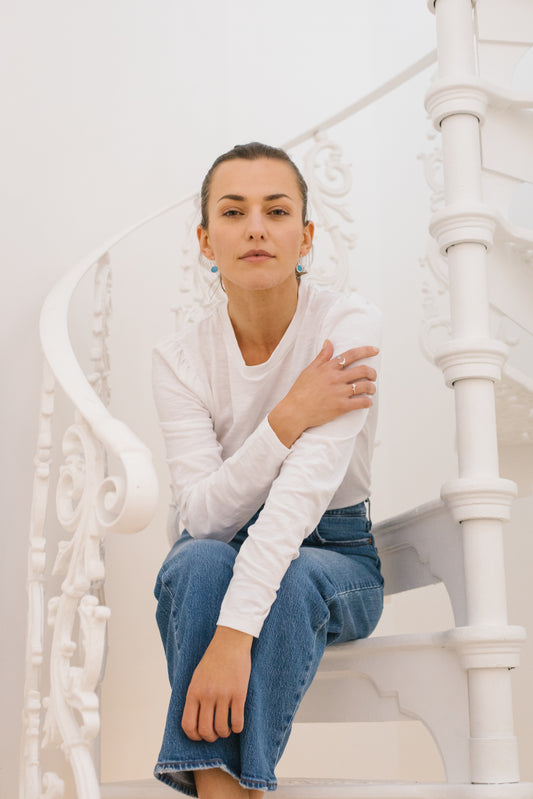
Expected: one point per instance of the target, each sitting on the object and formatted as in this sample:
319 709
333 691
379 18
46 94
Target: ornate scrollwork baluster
52 785
99 376
330 180
198 289
436 326
432 164
72 717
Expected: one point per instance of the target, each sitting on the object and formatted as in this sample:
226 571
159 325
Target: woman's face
255 232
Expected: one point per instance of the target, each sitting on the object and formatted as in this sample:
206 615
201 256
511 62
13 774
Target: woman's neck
260 319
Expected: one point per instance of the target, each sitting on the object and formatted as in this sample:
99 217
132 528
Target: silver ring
341 360
354 389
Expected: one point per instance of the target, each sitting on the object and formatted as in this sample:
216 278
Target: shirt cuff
245 624
278 448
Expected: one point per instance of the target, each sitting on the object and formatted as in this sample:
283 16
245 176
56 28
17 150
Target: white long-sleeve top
226 461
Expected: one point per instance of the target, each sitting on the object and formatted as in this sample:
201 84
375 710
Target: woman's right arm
216 496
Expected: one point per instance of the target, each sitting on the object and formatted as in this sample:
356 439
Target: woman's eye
278 212
231 212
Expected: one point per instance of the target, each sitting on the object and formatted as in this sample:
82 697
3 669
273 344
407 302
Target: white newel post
471 362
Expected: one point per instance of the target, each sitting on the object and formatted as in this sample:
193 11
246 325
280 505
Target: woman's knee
196 566
189 590
198 557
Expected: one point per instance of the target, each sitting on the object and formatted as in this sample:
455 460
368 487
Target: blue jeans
333 592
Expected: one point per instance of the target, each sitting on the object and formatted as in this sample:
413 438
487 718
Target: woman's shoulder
182 347
332 305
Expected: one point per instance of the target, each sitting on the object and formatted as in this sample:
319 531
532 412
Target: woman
269 429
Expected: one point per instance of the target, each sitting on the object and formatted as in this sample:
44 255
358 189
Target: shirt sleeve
307 481
216 497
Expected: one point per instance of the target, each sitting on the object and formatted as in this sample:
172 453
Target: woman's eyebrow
271 197
238 198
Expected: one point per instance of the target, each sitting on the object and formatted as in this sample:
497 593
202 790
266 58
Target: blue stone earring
214 269
299 269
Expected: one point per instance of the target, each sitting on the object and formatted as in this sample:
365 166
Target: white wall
114 109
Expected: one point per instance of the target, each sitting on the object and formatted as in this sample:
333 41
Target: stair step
138 789
339 789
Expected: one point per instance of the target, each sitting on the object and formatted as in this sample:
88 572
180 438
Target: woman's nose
256 227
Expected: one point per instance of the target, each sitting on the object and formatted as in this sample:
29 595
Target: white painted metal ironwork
32 786
329 181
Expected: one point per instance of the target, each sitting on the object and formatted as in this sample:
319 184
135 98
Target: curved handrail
54 328
138 495
376 94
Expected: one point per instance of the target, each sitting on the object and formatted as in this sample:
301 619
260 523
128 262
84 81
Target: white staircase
455 681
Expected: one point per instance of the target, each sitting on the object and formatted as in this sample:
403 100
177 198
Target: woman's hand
214 706
323 391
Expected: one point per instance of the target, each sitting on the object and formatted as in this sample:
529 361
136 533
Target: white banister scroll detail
54 787
101 368
72 717
435 326
32 786
330 181
89 502
515 415
125 502
199 289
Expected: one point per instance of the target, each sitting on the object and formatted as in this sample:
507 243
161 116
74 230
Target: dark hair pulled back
252 152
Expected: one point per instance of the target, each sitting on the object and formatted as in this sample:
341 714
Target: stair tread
302 788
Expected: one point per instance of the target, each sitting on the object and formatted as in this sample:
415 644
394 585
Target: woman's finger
325 353
237 714
355 354
222 727
361 387
363 372
189 720
358 401
206 729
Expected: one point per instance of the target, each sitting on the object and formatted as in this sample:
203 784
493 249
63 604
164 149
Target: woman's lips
255 256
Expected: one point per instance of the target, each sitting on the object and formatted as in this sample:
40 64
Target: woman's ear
307 242
203 240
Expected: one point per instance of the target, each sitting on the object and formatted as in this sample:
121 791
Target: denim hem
163 771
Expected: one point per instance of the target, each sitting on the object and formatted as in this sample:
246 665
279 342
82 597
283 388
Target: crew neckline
288 338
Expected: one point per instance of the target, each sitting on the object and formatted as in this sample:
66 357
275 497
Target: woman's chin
261 280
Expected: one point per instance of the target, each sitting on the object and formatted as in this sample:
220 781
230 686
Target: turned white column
471 362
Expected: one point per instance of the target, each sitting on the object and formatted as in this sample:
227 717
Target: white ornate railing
90 501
